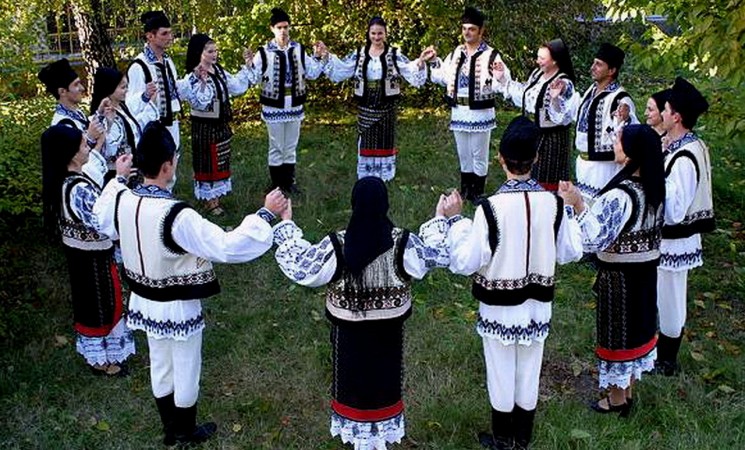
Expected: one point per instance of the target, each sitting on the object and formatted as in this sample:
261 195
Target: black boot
667 355
186 429
167 409
275 174
523 427
465 185
291 185
477 188
501 437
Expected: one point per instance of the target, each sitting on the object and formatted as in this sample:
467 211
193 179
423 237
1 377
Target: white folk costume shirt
594 174
95 168
314 265
680 191
342 69
534 97
259 74
463 117
237 84
187 89
124 132
180 319
519 263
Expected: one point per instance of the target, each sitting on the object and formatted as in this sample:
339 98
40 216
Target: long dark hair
560 53
643 147
59 144
377 20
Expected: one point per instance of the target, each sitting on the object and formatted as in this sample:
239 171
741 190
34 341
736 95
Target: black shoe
666 368
623 409
187 431
167 410
522 424
487 441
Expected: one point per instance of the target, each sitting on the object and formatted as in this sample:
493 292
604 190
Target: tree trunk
94 39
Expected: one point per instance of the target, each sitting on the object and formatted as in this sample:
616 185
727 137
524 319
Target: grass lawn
266 356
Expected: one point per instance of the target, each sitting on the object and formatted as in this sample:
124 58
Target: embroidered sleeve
314 67
570 107
469 244
680 188
411 71
83 198
561 110
602 224
439 69
198 94
265 214
341 69
429 249
304 263
115 135
239 83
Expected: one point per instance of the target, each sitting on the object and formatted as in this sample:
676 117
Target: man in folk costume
167 249
689 211
603 110
64 84
512 246
153 74
467 74
283 68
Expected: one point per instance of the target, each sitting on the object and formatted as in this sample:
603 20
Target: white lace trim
208 190
620 374
112 349
373 166
368 435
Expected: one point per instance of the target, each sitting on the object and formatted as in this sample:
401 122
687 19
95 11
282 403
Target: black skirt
210 146
553 157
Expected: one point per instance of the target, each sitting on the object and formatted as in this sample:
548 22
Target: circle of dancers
641 200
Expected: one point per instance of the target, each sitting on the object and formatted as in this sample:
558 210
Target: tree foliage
702 39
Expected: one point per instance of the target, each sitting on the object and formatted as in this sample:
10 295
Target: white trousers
473 151
283 139
175 367
513 373
672 287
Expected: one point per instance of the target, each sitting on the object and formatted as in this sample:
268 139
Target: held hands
287 213
556 88
151 90
248 57
449 205
96 130
498 69
571 195
277 203
320 50
124 165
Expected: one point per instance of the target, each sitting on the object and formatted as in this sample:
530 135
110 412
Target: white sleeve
602 224
429 249
305 264
439 70
341 69
469 244
136 88
239 83
411 72
148 114
255 71
569 240
197 235
680 188
105 208
313 67
198 94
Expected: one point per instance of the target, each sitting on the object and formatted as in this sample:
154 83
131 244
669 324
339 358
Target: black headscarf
660 98
560 53
105 82
59 144
195 49
644 148
368 234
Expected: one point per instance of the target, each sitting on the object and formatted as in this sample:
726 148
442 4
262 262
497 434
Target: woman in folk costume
548 102
623 227
653 111
377 69
124 125
69 195
511 247
369 267
210 126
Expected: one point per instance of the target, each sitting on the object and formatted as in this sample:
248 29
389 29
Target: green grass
266 356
